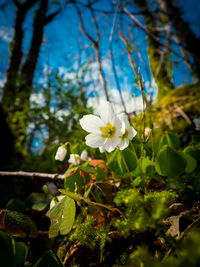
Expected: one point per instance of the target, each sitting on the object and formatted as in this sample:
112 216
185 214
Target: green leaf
191 163
62 217
100 174
169 162
195 139
15 204
37 201
138 181
169 139
72 179
55 200
48 259
148 166
87 169
19 224
21 252
72 195
75 196
69 170
129 158
7 250
113 162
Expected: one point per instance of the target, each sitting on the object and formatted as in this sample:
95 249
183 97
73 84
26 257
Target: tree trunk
157 57
38 30
10 88
189 41
18 87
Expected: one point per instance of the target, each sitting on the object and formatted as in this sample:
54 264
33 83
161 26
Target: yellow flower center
108 131
125 135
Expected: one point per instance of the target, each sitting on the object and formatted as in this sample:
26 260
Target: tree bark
38 30
18 88
157 57
10 88
189 41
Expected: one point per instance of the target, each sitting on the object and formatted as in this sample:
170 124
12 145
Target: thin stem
106 155
139 166
113 176
126 166
152 140
71 147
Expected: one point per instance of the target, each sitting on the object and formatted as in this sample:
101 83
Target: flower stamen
125 135
108 131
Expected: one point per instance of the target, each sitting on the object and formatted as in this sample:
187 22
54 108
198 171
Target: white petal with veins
91 123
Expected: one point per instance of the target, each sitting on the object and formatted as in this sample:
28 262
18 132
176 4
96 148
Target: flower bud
84 155
197 124
74 159
61 153
147 132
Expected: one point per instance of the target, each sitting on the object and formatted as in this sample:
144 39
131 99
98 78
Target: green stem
139 166
126 166
113 176
106 155
71 148
152 140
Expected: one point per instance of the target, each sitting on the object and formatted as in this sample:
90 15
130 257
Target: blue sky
61 51
64 47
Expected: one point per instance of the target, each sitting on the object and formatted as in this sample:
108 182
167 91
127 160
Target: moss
174 112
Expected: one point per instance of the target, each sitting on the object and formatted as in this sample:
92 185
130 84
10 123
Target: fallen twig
42 177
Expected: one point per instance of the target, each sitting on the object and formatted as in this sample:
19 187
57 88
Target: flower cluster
76 159
108 130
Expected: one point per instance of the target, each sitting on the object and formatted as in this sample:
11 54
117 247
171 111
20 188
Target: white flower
197 124
74 159
104 130
61 153
128 132
84 155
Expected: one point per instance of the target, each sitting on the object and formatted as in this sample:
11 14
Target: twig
154 37
42 177
95 46
113 60
72 251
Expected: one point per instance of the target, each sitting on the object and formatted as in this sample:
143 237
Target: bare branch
149 33
50 17
112 57
82 25
138 24
130 57
95 46
42 177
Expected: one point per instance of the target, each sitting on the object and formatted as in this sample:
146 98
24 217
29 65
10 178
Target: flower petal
117 123
74 159
106 112
132 133
123 144
61 153
94 140
91 123
84 155
111 144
